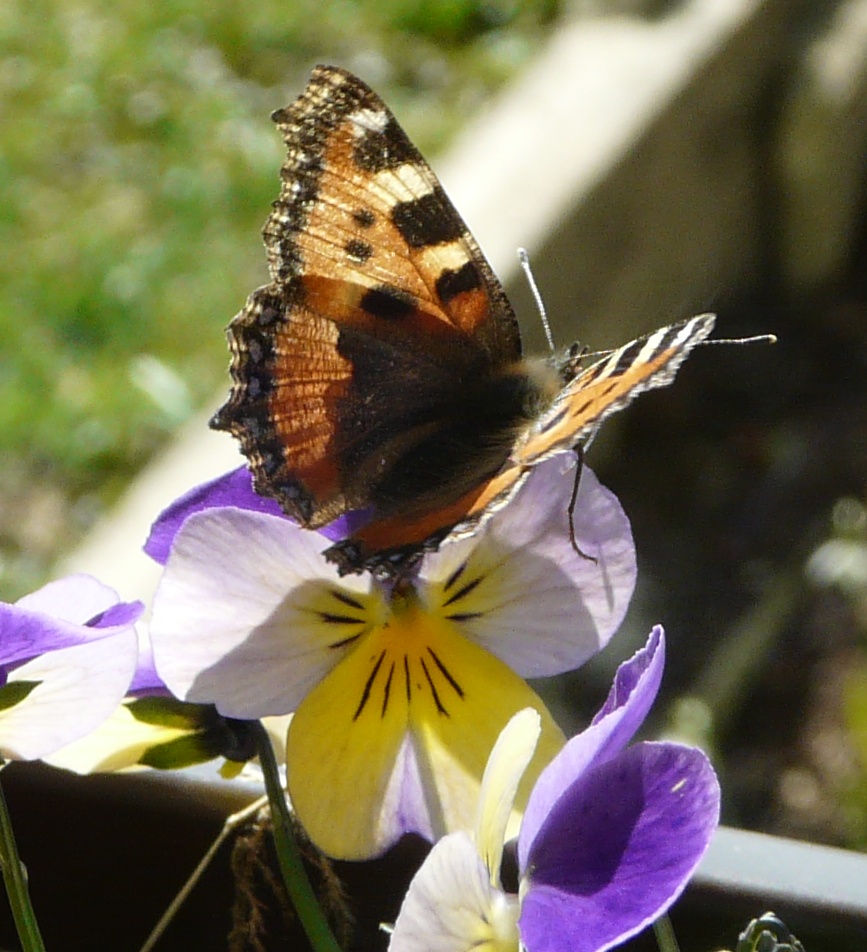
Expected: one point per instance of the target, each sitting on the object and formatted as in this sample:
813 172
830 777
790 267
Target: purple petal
632 694
121 615
647 661
25 634
146 681
619 848
47 619
405 806
233 489
346 524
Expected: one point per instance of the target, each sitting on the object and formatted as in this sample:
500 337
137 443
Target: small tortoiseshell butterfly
381 368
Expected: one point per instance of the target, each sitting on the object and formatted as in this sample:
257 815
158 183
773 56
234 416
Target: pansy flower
610 837
400 691
67 656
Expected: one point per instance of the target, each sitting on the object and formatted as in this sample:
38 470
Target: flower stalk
665 937
15 878
288 855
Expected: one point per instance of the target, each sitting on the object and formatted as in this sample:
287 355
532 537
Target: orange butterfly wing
380 311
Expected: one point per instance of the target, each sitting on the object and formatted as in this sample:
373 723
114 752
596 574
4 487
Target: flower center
408 661
503 913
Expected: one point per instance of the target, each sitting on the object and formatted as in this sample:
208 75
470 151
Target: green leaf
178 753
170 712
14 693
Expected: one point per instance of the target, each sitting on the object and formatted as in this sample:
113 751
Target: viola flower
609 840
67 656
399 692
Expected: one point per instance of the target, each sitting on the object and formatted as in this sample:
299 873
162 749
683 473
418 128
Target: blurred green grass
137 165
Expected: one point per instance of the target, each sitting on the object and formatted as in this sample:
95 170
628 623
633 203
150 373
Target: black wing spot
428 220
364 217
358 250
376 151
452 283
388 303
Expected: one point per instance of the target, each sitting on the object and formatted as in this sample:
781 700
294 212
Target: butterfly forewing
380 369
359 205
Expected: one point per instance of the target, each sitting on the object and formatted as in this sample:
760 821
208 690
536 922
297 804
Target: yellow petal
342 744
397 736
509 759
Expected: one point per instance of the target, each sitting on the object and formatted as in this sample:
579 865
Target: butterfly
381 368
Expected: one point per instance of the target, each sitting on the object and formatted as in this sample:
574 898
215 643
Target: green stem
665 937
291 865
15 877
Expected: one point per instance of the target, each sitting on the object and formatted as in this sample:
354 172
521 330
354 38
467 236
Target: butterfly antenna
524 258
758 339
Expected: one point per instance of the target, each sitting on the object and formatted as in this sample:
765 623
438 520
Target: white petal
237 615
452 907
75 598
512 752
539 605
80 687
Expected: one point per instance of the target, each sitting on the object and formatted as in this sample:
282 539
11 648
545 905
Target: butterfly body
381 368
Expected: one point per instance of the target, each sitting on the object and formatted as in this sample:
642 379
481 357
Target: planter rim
758 867
824 880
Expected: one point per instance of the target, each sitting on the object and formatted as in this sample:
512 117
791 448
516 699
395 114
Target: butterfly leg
579 469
